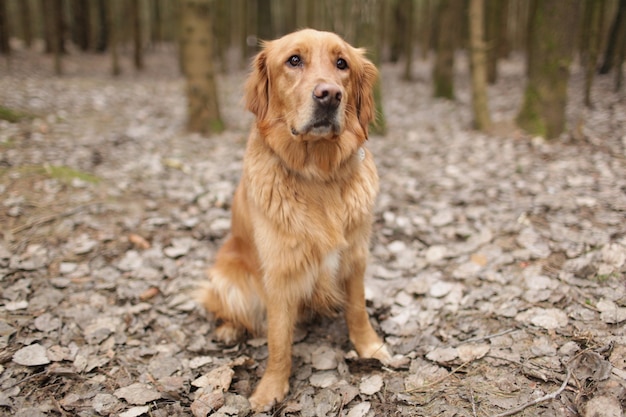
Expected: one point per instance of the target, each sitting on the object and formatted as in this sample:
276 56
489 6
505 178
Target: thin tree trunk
80 26
137 35
113 32
367 14
494 20
4 29
399 28
156 27
554 24
102 36
617 35
56 13
443 70
25 20
426 31
594 15
409 40
619 75
203 115
480 106
265 29
504 41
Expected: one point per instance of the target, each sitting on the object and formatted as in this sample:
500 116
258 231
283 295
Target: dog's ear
367 74
257 87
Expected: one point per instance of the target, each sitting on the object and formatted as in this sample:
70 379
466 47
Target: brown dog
302 213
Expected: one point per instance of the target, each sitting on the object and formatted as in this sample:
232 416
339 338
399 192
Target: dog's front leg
362 335
273 387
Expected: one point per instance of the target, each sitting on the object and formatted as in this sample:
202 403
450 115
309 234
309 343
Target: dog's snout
327 94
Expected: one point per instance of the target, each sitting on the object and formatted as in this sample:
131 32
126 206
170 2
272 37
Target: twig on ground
472 401
46 219
489 336
546 397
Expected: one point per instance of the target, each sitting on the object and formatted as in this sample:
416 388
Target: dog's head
314 83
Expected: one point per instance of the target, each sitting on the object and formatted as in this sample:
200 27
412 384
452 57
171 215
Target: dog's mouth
318 129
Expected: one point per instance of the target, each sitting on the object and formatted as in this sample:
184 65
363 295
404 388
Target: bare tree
4 29
443 70
366 14
478 56
590 41
203 113
137 35
113 35
553 24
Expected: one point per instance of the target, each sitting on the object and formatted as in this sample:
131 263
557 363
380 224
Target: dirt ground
497 273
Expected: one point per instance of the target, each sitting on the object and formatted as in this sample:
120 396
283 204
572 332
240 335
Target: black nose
327 95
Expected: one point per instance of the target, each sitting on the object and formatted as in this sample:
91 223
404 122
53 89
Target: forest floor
497 273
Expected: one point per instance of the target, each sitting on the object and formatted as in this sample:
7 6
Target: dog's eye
294 61
342 64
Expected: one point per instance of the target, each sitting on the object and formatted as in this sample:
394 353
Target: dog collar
361 154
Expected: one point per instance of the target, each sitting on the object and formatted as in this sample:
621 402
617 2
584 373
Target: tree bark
551 40
590 48
616 37
56 13
443 70
113 36
368 35
102 34
482 121
80 27
203 115
4 29
25 20
409 9
137 34
493 23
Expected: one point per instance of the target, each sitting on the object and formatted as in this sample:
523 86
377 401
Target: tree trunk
616 37
25 20
113 32
590 48
221 21
482 121
621 56
203 114
4 29
368 35
426 28
400 11
80 27
553 24
103 23
264 23
409 36
156 27
56 13
443 70
494 20
135 12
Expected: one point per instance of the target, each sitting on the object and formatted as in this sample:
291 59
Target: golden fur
302 213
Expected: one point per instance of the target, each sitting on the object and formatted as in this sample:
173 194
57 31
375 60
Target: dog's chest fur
311 223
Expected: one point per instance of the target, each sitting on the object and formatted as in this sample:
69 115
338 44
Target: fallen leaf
139 241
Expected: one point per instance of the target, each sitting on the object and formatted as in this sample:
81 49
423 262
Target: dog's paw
229 334
267 394
377 351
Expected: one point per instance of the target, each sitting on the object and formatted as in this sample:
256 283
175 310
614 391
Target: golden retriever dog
302 212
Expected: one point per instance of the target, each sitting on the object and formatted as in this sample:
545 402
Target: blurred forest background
213 36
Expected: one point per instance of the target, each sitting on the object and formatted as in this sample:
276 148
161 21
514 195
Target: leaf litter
496 275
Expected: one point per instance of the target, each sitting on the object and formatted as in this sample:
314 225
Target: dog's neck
320 160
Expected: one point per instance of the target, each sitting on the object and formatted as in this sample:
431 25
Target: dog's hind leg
231 297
